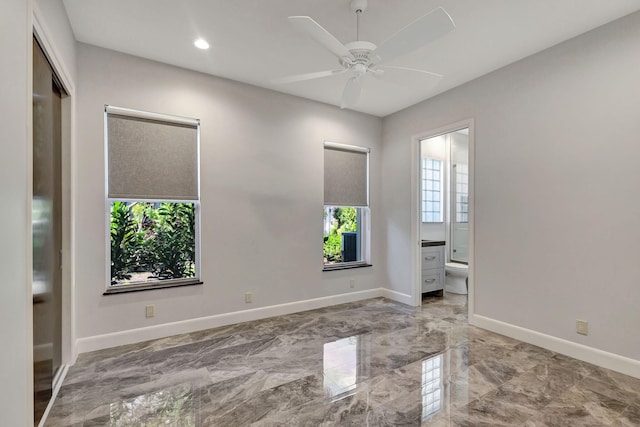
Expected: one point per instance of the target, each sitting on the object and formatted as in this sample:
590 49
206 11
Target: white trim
107 207
43 35
57 383
28 377
397 296
416 212
416 219
110 109
132 336
582 352
472 218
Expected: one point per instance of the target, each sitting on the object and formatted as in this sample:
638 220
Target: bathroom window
462 192
346 206
431 190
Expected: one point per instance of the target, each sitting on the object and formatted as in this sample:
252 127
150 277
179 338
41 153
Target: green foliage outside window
152 241
343 219
122 242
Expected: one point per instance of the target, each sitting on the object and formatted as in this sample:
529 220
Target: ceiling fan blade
420 32
399 75
351 92
322 36
307 76
402 71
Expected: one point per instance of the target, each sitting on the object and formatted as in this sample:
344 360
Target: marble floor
370 363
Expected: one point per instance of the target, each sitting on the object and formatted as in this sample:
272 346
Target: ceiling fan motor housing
360 51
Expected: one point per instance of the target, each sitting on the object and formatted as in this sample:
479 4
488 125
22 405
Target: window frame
156 284
364 217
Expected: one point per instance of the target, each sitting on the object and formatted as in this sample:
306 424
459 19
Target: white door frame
416 293
46 40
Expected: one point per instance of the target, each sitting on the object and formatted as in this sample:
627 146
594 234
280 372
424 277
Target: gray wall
261 185
557 176
16 398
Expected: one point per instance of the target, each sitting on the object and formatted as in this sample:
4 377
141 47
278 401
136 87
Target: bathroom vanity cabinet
432 256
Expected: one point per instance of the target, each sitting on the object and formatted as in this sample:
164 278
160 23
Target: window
346 205
342 234
431 190
462 192
152 199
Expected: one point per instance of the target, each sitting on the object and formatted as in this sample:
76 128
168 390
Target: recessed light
201 44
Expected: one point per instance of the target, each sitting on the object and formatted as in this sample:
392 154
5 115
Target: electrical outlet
248 297
352 283
148 310
582 327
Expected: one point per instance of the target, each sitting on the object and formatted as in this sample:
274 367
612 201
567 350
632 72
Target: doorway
442 203
445 192
46 230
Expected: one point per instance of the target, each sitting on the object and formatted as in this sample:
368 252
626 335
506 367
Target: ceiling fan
360 58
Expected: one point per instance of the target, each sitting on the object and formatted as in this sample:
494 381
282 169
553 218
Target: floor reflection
432 386
346 362
171 406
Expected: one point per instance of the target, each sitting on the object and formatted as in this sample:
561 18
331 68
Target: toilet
455 277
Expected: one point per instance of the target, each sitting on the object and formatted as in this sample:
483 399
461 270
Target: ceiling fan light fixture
201 44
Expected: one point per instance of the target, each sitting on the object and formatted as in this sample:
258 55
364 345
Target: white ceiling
253 42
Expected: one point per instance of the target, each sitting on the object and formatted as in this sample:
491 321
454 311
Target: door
46 230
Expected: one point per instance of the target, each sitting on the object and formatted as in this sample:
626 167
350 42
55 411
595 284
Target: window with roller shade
346 205
153 202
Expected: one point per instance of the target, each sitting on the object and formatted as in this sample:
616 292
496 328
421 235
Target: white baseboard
57 383
601 358
397 296
132 336
42 352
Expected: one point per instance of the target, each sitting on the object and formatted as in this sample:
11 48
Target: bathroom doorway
443 180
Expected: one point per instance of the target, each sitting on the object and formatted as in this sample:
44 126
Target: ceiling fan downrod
358 6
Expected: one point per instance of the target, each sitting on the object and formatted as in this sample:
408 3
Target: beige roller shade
346 175
149 158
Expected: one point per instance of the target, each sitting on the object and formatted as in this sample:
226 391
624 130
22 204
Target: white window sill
345 266
149 286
